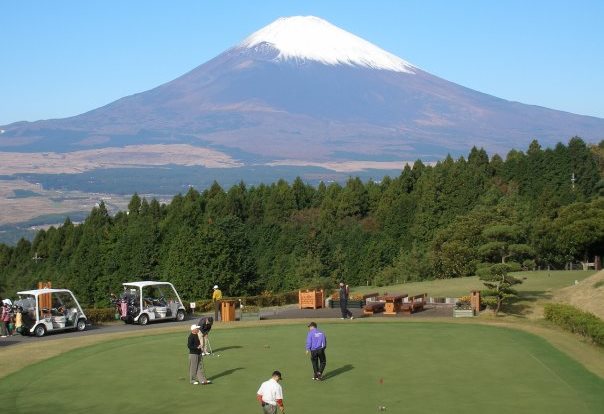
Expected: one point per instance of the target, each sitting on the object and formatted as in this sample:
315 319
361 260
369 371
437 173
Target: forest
539 208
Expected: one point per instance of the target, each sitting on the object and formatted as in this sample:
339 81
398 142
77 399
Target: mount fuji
300 91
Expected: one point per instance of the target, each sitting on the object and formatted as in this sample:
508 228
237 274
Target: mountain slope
302 89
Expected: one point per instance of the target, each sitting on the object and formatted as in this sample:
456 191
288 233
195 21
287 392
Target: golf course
500 365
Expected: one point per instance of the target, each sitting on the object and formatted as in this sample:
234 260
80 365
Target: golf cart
49 310
142 302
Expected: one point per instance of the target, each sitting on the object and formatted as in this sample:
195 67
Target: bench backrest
418 298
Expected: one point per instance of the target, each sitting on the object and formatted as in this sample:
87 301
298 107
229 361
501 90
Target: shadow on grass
224 348
338 371
8 342
525 302
224 373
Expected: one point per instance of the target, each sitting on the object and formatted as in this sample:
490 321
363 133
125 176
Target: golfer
316 342
270 394
196 374
344 292
205 325
216 298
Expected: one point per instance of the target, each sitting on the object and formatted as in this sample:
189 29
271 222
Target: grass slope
538 283
588 295
402 366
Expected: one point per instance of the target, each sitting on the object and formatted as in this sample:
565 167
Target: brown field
18 210
129 156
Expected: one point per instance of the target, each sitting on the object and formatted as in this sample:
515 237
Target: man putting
316 342
270 395
205 326
196 371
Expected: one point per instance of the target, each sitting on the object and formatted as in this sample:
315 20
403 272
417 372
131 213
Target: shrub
464 302
577 321
268 298
99 315
529 264
205 305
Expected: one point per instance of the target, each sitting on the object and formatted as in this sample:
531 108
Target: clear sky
61 58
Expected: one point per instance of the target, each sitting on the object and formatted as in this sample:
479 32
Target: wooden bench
373 304
373 307
414 303
393 303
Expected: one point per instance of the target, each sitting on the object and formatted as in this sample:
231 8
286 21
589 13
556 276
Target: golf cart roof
146 283
37 292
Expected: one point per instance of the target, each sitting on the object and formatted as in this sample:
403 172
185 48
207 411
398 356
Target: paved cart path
283 312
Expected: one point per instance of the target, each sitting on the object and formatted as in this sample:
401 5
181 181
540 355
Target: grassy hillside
534 284
587 295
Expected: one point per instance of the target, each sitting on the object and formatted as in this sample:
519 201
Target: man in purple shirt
316 342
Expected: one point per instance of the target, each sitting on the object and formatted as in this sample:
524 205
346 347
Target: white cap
215 286
193 327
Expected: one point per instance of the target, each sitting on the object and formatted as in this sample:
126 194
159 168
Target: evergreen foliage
539 208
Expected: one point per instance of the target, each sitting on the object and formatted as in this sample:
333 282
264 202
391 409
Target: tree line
539 208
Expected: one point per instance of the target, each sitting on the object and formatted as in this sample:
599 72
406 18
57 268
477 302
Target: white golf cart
142 302
49 310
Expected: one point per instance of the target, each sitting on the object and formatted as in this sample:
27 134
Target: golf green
404 367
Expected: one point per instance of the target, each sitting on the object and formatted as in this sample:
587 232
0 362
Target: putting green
404 367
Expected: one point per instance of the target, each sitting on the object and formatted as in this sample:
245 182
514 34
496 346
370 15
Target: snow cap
309 38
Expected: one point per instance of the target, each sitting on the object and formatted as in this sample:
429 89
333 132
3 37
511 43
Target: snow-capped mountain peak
312 38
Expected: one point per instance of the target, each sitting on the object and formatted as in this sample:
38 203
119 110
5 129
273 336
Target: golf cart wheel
40 330
180 315
143 319
81 325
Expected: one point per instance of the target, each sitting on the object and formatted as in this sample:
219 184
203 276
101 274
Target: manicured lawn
405 367
534 283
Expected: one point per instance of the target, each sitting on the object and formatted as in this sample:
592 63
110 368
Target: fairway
405 367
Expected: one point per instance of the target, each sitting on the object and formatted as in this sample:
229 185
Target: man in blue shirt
316 342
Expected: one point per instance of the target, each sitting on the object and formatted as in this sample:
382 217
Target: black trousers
318 359
344 308
217 313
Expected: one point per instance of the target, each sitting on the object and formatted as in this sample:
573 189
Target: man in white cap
216 297
196 371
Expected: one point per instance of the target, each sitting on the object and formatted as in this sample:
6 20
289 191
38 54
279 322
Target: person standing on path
5 320
270 394
196 374
216 298
344 293
19 320
316 342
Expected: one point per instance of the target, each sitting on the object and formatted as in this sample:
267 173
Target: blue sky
62 58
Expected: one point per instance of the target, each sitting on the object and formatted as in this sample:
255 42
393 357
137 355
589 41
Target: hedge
266 299
99 315
576 320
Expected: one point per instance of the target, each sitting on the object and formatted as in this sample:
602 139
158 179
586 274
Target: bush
205 305
98 315
268 298
529 264
576 321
